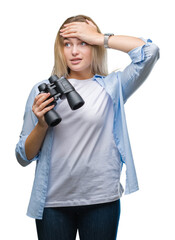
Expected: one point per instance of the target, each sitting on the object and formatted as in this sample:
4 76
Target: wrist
106 39
42 126
99 40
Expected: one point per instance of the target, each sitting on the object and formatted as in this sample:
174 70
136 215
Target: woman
79 162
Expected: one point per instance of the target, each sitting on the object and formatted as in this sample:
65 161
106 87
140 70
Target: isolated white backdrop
28 30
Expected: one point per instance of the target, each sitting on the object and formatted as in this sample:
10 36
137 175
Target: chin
77 69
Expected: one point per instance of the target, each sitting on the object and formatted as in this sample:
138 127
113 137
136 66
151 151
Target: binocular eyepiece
58 88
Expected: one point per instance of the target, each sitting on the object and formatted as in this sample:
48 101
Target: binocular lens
52 118
75 100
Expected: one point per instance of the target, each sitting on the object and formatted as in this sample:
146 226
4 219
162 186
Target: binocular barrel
59 87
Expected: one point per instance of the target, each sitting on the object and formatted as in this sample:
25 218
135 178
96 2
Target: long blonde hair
99 54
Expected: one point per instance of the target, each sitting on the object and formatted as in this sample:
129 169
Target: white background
28 30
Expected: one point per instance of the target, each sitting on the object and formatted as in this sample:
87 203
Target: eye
83 43
67 44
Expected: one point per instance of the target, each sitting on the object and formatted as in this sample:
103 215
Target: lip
75 60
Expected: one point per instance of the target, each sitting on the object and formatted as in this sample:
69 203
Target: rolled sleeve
20 152
137 54
143 59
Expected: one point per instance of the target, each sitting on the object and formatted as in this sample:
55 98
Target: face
78 56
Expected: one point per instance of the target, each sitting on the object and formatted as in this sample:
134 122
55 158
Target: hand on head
85 31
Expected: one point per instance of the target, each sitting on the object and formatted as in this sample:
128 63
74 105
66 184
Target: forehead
73 40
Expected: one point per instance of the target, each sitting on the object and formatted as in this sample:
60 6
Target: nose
75 51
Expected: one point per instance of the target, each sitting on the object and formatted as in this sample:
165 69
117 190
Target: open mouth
75 60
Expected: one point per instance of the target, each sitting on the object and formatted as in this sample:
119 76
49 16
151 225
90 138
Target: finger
36 99
65 28
72 24
41 98
90 23
45 110
41 95
68 30
45 103
40 110
40 114
69 35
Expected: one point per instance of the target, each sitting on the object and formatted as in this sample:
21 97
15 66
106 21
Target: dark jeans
94 222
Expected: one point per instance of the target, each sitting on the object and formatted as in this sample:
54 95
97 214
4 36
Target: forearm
34 141
124 43
143 60
88 33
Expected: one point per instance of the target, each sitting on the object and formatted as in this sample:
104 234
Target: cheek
88 54
66 54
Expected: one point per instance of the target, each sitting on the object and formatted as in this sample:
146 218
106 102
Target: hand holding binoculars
58 88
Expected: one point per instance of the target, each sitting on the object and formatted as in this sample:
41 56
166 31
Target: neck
80 75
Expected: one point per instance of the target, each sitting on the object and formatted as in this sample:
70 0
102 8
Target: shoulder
111 83
109 79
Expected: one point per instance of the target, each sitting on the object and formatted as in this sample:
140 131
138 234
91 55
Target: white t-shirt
85 164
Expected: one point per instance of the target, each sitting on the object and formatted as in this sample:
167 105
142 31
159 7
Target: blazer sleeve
143 60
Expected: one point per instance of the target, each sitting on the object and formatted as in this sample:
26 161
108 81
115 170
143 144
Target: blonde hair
99 54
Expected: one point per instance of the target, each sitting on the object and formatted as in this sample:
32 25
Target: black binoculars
58 88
